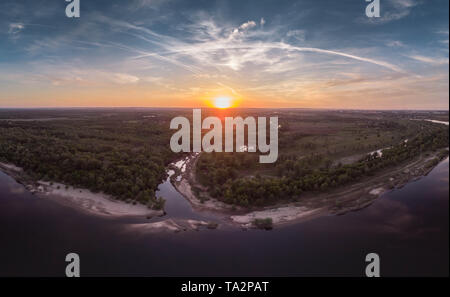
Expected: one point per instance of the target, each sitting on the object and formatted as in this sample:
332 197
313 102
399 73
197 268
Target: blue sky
324 54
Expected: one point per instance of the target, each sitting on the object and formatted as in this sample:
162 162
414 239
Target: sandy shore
279 215
183 181
104 205
170 225
95 203
184 187
10 167
82 199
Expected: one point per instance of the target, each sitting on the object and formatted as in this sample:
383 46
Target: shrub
265 224
212 225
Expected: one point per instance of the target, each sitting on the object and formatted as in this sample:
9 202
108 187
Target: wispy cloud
395 43
430 60
297 34
219 49
234 50
123 78
391 10
262 22
443 33
273 53
14 29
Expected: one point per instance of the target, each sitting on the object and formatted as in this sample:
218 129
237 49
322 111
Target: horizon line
208 107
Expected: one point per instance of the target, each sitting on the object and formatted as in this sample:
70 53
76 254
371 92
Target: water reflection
408 228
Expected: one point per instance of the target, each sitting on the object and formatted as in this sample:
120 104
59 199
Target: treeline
222 173
126 160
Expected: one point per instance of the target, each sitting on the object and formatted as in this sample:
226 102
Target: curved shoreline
337 202
103 205
83 199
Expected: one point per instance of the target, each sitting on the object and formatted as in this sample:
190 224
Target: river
408 228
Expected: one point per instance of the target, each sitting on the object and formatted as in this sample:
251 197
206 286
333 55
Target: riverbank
100 204
82 199
171 225
413 219
339 201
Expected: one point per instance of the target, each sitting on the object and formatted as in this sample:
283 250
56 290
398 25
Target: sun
222 102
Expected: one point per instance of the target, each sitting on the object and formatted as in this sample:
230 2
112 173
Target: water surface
408 228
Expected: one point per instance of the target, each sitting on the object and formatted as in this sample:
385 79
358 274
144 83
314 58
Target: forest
102 151
125 152
236 178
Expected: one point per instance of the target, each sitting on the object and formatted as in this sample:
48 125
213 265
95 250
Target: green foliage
220 172
265 224
104 153
159 203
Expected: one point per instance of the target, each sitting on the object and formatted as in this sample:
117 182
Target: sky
259 53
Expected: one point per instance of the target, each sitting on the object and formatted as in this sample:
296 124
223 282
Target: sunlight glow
222 102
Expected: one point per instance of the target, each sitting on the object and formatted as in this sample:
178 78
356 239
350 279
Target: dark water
177 206
408 228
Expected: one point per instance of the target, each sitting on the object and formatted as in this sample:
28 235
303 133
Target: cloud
245 52
152 79
142 4
76 74
217 49
262 22
212 46
14 29
429 60
241 30
123 78
445 33
392 10
247 25
404 3
205 48
395 43
297 34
